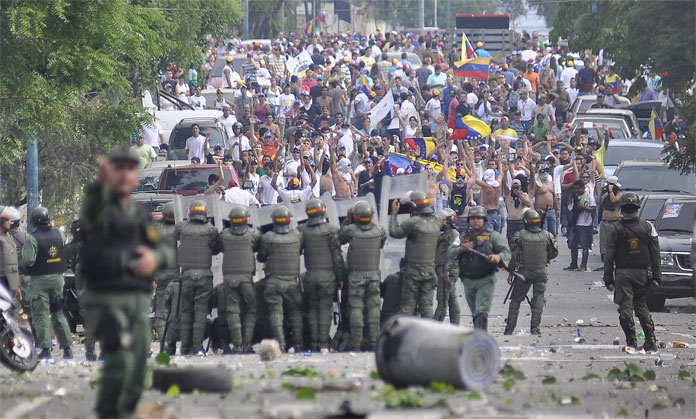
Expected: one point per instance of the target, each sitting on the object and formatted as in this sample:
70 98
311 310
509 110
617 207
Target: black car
651 204
675 227
648 176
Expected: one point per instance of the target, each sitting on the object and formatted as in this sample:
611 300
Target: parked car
643 111
622 150
625 114
182 131
152 202
191 180
675 227
618 127
582 104
644 176
651 204
220 63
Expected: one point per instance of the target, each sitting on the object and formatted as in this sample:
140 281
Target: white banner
298 65
382 109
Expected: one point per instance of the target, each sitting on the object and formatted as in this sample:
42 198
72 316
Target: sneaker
564 231
571 268
584 268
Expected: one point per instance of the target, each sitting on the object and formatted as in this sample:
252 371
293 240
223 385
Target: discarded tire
205 380
412 351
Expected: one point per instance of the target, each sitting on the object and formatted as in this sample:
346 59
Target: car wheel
205 380
655 302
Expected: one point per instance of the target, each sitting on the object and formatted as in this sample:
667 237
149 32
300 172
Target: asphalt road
562 378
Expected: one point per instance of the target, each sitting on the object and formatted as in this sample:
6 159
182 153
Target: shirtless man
610 198
516 201
326 101
544 194
343 177
490 192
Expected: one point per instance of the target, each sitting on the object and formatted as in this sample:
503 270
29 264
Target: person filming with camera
609 199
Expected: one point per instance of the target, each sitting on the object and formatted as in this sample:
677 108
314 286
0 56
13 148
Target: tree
72 72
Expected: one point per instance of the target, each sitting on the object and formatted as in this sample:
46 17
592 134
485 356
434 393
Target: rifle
483 255
512 286
543 217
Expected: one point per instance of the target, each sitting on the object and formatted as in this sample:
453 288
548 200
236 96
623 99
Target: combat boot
90 356
650 344
511 322
481 322
67 353
536 320
629 329
45 354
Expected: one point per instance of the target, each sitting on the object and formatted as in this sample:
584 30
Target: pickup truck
191 180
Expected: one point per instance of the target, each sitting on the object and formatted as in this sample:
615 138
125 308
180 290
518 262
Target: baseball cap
614 181
230 58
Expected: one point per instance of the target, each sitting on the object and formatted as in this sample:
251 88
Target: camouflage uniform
446 295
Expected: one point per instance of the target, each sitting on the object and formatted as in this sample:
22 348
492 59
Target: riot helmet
198 211
39 217
448 215
168 213
478 211
281 217
532 221
239 219
421 202
362 214
316 211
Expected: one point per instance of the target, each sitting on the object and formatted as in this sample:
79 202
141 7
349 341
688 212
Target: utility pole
32 178
421 15
282 18
245 23
435 13
449 16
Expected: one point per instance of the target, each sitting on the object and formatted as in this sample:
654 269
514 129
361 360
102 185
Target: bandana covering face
489 178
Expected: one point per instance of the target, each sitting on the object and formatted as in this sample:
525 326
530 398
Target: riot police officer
422 232
198 241
478 273
447 268
43 255
366 242
532 250
324 264
9 272
239 244
20 237
164 276
632 248
280 251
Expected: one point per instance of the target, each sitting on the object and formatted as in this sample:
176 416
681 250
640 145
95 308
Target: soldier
220 331
366 242
43 255
9 274
632 248
164 276
324 264
238 267
446 268
172 304
532 250
476 272
422 231
280 250
198 241
20 238
121 251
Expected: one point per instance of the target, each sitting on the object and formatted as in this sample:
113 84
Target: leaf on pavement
591 376
173 391
549 379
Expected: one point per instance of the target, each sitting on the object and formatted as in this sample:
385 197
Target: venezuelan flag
469 128
421 146
309 27
655 126
321 18
476 67
467 49
401 161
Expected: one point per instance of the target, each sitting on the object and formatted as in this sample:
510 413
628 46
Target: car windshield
655 178
585 104
152 205
150 179
617 154
188 179
179 136
651 207
677 217
616 126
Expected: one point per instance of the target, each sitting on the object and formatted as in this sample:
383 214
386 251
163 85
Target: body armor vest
421 246
533 245
9 260
474 266
317 249
50 254
168 237
284 254
194 248
632 246
458 199
238 252
365 249
443 244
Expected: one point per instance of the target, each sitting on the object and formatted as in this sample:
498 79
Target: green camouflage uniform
25 305
366 242
446 295
198 242
420 279
72 254
632 248
46 296
281 254
172 302
9 268
324 264
116 300
238 269
531 253
162 279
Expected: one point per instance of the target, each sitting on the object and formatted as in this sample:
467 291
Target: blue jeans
502 209
550 223
493 221
580 236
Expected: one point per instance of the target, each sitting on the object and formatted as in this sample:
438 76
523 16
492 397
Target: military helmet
10 214
39 216
315 207
420 200
406 200
281 216
478 211
532 220
168 213
630 199
75 227
198 211
239 216
448 215
362 212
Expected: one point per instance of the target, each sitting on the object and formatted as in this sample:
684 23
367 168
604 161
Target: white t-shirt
573 93
227 123
567 74
471 99
291 166
196 147
183 92
285 104
198 102
234 77
151 133
231 141
295 195
165 104
346 140
526 109
434 107
239 196
588 200
557 177
269 196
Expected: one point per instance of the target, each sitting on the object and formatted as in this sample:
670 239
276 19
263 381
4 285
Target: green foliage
163 358
173 391
72 71
549 379
684 374
623 412
300 371
305 393
474 395
443 388
509 371
401 398
591 376
374 375
633 373
663 404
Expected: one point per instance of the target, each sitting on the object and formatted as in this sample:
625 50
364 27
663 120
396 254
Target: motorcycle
17 349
